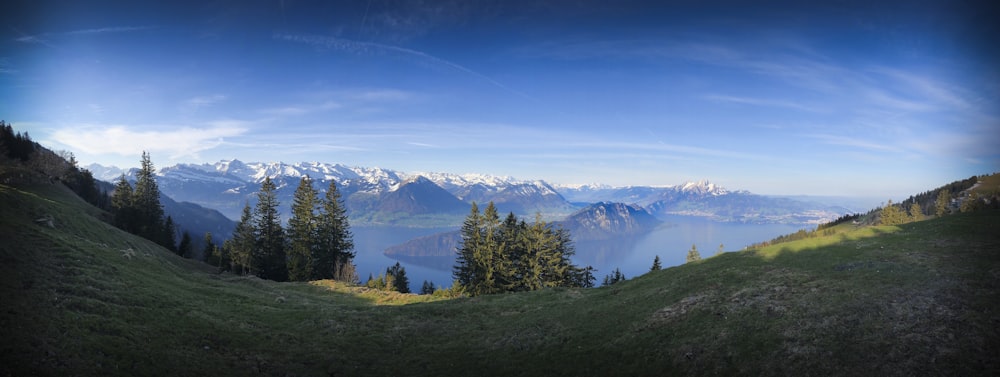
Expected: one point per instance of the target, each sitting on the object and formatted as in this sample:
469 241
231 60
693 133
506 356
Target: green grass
915 299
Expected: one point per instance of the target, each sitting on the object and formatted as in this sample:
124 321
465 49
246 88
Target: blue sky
877 99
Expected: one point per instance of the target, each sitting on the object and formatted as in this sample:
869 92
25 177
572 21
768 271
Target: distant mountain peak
608 219
703 187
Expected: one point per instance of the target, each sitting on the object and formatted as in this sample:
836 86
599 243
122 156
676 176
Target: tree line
513 256
316 244
18 148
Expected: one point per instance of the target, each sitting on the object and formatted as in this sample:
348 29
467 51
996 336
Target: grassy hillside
81 297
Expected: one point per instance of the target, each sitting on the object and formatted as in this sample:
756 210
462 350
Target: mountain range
377 196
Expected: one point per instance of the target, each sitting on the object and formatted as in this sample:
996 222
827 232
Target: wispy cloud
105 30
761 102
131 140
423 145
854 142
665 147
930 89
379 95
44 38
6 67
362 99
359 47
204 101
884 99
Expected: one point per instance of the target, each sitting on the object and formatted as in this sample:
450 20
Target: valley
413 217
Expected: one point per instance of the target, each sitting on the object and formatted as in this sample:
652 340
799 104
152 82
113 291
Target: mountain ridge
229 184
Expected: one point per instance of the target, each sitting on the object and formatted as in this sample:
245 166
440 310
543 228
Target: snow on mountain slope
229 184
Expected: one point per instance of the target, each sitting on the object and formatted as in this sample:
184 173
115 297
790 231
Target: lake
633 256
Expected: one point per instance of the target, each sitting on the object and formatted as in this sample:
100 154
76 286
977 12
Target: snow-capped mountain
372 195
105 173
507 193
706 199
641 195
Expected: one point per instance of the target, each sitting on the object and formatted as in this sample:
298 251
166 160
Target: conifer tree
656 264
972 203
208 253
184 248
146 201
537 254
615 277
334 250
240 248
496 256
915 213
400 283
693 255
122 206
467 270
427 288
167 235
269 259
722 249
941 204
891 214
302 232
489 254
212 254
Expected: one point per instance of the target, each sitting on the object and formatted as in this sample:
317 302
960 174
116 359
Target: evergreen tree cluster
317 243
512 256
839 220
614 277
427 288
15 145
931 202
395 279
19 147
137 209
892 214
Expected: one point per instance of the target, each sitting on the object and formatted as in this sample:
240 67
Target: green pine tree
656 264
427 288
941 204
184 248
693 255
302 232
891 214
400 283
507 256
269 259
213 255
334 250
916 214
241 247
168 233
123 206
146 201
616 276
467 271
